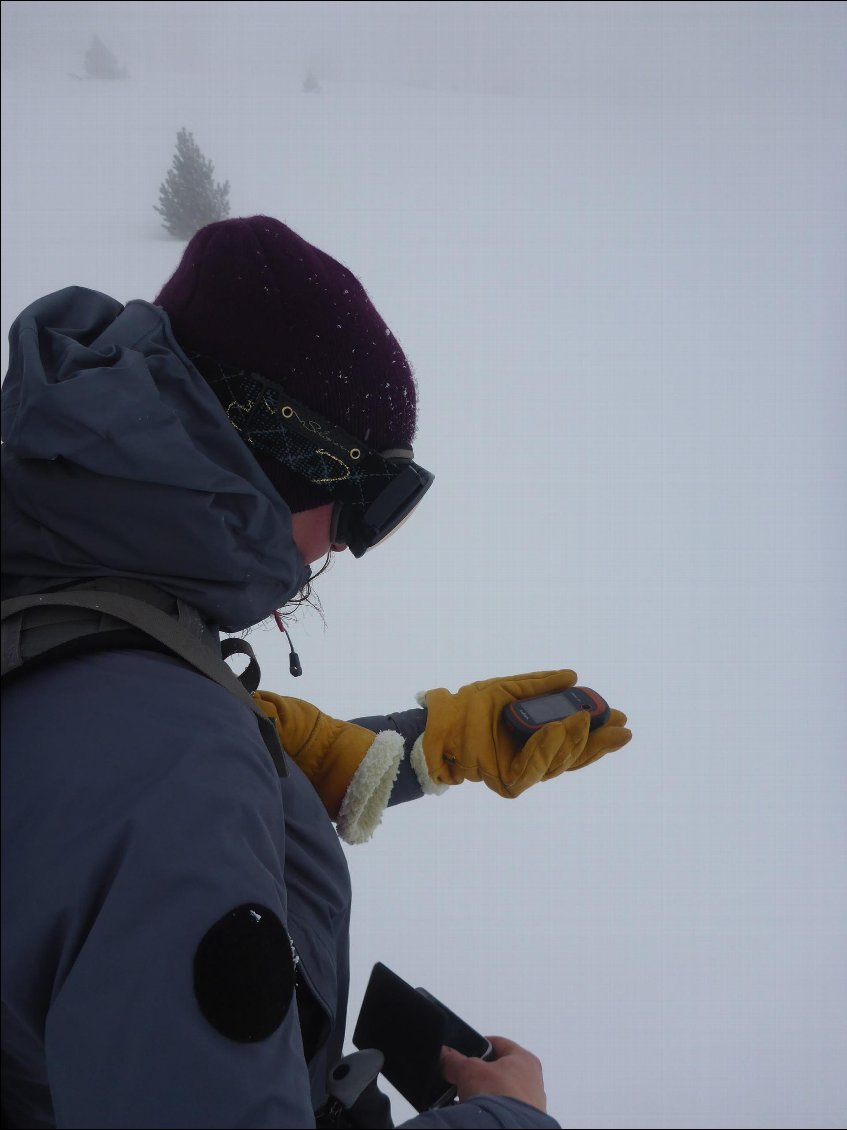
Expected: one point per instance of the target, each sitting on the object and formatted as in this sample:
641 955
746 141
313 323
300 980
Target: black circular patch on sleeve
244 974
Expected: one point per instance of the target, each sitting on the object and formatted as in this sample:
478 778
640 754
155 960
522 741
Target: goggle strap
276 424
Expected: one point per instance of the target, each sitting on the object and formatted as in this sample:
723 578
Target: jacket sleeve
410 724
484 1111
170 825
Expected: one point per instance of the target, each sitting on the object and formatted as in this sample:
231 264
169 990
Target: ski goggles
373 492
359 527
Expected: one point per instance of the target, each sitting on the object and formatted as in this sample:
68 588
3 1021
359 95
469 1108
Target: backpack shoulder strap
152 622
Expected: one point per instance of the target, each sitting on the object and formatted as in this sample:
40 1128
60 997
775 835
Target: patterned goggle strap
272 422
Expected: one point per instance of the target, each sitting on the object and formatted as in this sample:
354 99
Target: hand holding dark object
466 738
515 1073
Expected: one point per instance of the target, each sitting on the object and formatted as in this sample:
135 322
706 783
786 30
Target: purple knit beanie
251 293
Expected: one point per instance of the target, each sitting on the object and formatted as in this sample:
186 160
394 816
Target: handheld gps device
528 715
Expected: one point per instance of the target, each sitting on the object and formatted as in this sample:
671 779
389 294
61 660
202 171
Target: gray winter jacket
150 847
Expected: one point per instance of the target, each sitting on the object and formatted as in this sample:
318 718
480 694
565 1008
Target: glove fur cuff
417 760
418 763
370 788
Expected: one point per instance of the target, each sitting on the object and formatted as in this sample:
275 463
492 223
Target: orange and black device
528 715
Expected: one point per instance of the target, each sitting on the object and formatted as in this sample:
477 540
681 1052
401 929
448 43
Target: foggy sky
501 48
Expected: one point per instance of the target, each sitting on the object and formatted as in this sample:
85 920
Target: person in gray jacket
176 902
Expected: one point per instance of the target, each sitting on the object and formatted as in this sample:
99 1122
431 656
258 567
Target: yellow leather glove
465 738
351 768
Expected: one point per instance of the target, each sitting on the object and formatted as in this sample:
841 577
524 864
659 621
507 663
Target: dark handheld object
409 1026
528 715
459 1035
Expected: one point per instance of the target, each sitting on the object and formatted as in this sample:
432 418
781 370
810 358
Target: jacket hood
118 460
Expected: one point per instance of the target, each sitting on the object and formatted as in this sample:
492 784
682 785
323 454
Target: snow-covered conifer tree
188 197
101 63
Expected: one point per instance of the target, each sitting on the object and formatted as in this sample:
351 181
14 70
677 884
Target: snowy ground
624 299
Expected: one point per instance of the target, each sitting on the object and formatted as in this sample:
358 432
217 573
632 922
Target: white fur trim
369 789
420 698
418 763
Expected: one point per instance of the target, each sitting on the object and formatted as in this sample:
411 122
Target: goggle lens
360 529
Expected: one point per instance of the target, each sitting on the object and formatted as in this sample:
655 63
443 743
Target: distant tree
188 197
310 84
101 63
